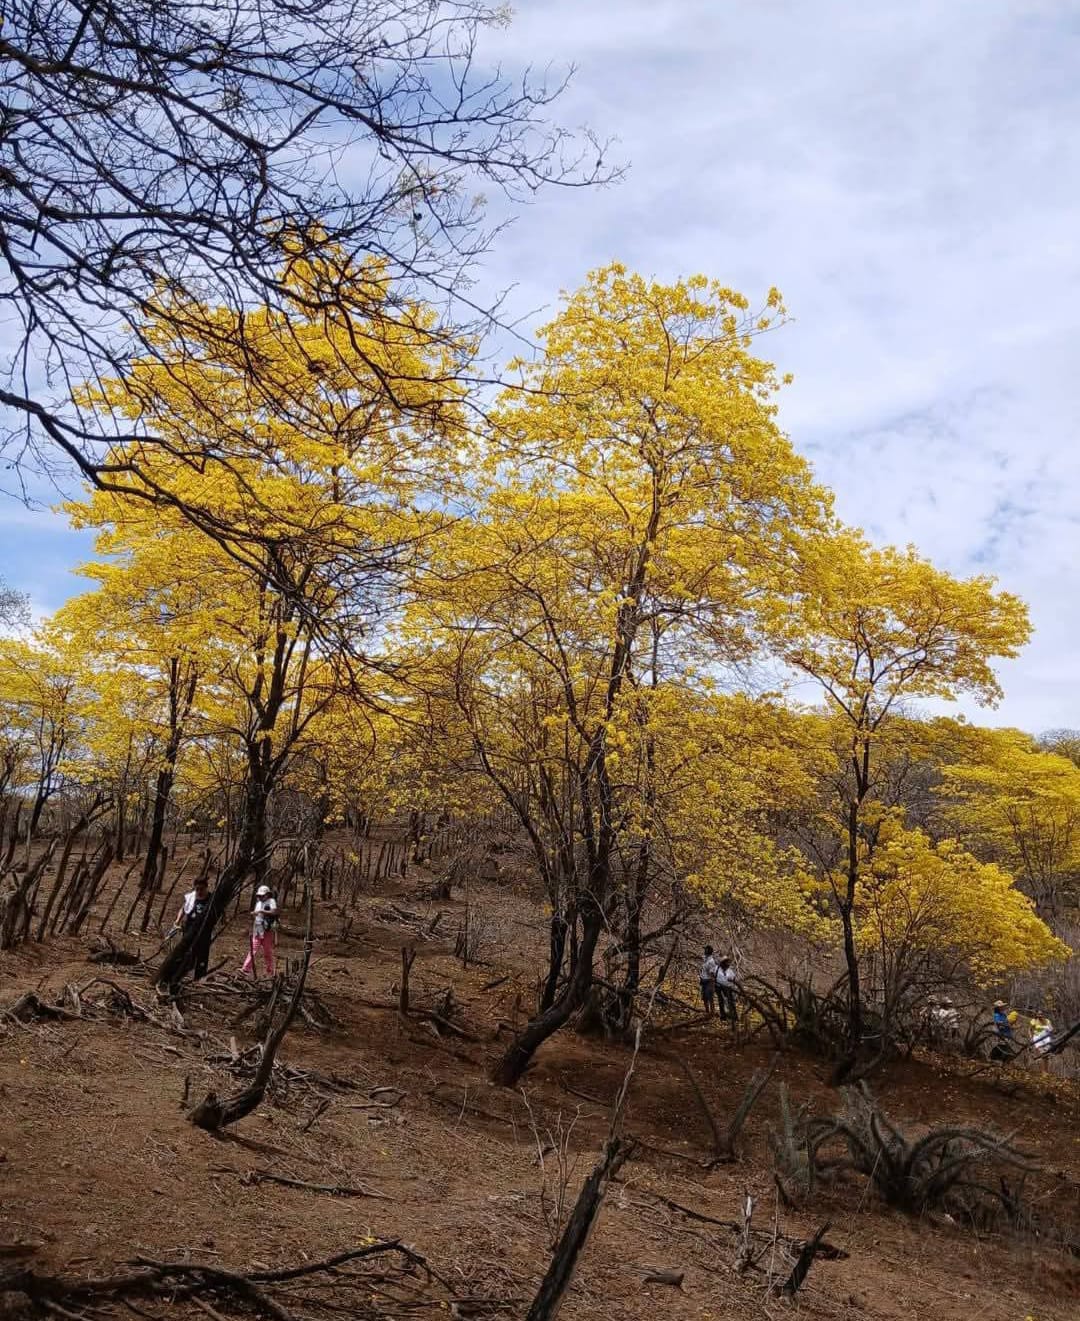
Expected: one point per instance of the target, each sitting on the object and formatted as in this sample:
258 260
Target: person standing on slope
725 990
262 931
194 920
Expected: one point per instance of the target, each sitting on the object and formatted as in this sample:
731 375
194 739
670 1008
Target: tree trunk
214 1113
252 838
13 838
65 856
121 826
851 954
556 956
515 1061
40 799
256 807
621 1008
162 792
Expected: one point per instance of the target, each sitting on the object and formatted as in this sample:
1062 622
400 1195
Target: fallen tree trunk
173 1281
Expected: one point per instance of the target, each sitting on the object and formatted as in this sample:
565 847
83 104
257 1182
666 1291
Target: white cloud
908 173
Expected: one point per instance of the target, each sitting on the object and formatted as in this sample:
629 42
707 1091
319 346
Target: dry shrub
946 1169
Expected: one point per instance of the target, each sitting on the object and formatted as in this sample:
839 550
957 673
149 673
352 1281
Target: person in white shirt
709 968
262 931
195 922
725 990
945 1019
1042 1033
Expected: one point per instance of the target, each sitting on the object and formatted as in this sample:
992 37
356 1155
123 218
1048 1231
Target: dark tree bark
556 1281
162 793
515 1061
252 836
556 957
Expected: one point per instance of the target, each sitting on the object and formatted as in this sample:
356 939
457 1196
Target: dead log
662 1275
560 1272
169 1282
30 1006
801 1269
120 958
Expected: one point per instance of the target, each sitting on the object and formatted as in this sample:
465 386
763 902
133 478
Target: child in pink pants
262 931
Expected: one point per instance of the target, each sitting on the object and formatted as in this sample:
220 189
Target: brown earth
98 1163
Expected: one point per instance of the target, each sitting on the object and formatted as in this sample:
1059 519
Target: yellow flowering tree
930 910
639 503
876 629
1020 804
327 442
42 710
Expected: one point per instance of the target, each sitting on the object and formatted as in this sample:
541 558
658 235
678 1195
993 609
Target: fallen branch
195 1283
662 1275
801 1269
330 1189
120 958
421 1016
582 1095
827 1251
157 1279
30 1006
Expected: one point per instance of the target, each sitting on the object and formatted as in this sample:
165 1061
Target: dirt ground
99 1164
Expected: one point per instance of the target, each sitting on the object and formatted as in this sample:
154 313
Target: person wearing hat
1003 1048
262 931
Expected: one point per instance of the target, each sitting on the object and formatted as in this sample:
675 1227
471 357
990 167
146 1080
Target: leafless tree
162 153
14 606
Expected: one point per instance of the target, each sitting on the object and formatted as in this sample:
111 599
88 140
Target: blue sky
909 175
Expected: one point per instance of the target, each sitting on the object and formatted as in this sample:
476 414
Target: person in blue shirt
1002 1049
